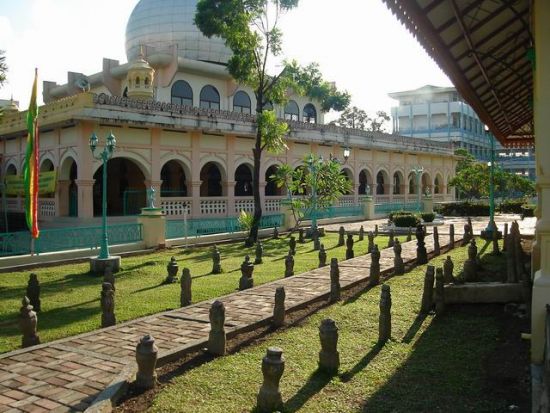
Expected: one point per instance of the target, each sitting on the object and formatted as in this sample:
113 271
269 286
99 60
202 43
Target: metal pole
313 196
104 252
491 226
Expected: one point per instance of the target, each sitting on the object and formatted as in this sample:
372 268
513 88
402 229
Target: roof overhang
486 48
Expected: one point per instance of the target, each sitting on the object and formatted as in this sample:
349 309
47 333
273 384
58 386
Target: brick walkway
76 372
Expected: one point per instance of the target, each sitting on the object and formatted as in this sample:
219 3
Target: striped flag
30 169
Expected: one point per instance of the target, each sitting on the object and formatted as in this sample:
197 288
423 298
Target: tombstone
292 245
172 268
375 230
427 293
216 337
361 233
185 285
494 240
370 236
471 225
349 247
289 265
107 306
470 265
505 237
391 239
301 238
437 248
246 281
279 307
316 242
259 253
398 265
384 319
467 237
33 291
275 233
216 261
109 277
334 280
341 234
322 256
451 236
448 268
409 234
27 323
421 253
329 358
374 274
269 397
439 296
146 359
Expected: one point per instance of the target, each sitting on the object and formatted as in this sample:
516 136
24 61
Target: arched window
292 112
137 81
380 183
182 94
11 170
46 166
396 183
210 98
271 188
365 183
412 183
241 102
310 114
174 181
146 82
243 180
211 178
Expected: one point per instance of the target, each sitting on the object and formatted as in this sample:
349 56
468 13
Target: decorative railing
244 204
336 212
387 207
62 239
213 206
346 200
46 207
13 204
273 204
207 226
176 206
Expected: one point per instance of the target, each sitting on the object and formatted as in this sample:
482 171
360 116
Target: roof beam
450 22
432 6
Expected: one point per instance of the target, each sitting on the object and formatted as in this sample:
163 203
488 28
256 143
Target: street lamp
491 227
103 156
418 170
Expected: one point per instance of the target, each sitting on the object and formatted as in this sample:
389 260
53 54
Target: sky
358 44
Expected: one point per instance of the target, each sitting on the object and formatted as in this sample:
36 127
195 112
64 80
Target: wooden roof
486 49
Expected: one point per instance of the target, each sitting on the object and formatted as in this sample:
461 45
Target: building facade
185 128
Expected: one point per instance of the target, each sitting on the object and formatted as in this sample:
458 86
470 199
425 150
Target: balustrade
213 206
273 204
244 204
46 207
176 206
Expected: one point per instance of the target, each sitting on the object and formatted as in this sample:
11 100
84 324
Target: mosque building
184 127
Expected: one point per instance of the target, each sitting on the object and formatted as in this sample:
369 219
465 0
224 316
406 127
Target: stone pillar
427 294
279 307
146 358
107 305
334 280
368 207
262 192
62 198
27 324
85 198
230 185
427 204
374 276
269 397
289 221
216 337
384 319
185 286
153 227
33 292
329 358
196 200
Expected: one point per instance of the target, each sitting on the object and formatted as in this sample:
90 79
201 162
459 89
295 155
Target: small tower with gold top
140 79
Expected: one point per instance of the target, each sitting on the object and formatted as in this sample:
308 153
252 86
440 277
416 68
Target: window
210 98
137 81
241 102
310 114
182 94
291 111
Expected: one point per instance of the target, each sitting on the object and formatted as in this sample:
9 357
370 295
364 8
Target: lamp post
418 170
103 156
491 226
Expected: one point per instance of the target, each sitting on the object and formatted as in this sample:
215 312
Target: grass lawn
429 365
70 296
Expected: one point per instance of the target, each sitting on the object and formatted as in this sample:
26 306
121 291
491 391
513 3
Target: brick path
76 372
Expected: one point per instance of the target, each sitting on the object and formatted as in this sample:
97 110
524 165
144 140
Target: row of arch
209 98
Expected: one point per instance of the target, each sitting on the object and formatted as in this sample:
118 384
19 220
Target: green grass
429 365
70 296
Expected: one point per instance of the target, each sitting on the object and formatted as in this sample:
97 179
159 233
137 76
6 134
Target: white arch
142 163
220 163
12 162
184 161
47 156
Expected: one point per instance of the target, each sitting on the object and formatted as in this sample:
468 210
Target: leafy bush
394 214
512 206
427 216
409 220
245 220
463 209
528 210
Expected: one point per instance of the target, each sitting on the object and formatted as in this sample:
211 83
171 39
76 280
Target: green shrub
405 221
528 210
394 214
512 206
463 209
428 216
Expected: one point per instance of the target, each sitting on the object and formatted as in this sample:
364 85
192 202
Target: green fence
207 226
62 239
386 208
336 212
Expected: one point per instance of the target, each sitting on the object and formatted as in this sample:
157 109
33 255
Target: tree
356 118
3 67
250 29
328 179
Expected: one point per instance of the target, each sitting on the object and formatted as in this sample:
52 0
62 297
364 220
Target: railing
244 204
46 207
214 206
273 204
62 239
387 207
132 201
13 204
209 226
335 212
176 206
346 200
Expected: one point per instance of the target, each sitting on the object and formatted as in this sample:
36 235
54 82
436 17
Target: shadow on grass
413 329
362 364
316 382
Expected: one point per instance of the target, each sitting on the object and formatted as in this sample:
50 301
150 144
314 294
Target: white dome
163 23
